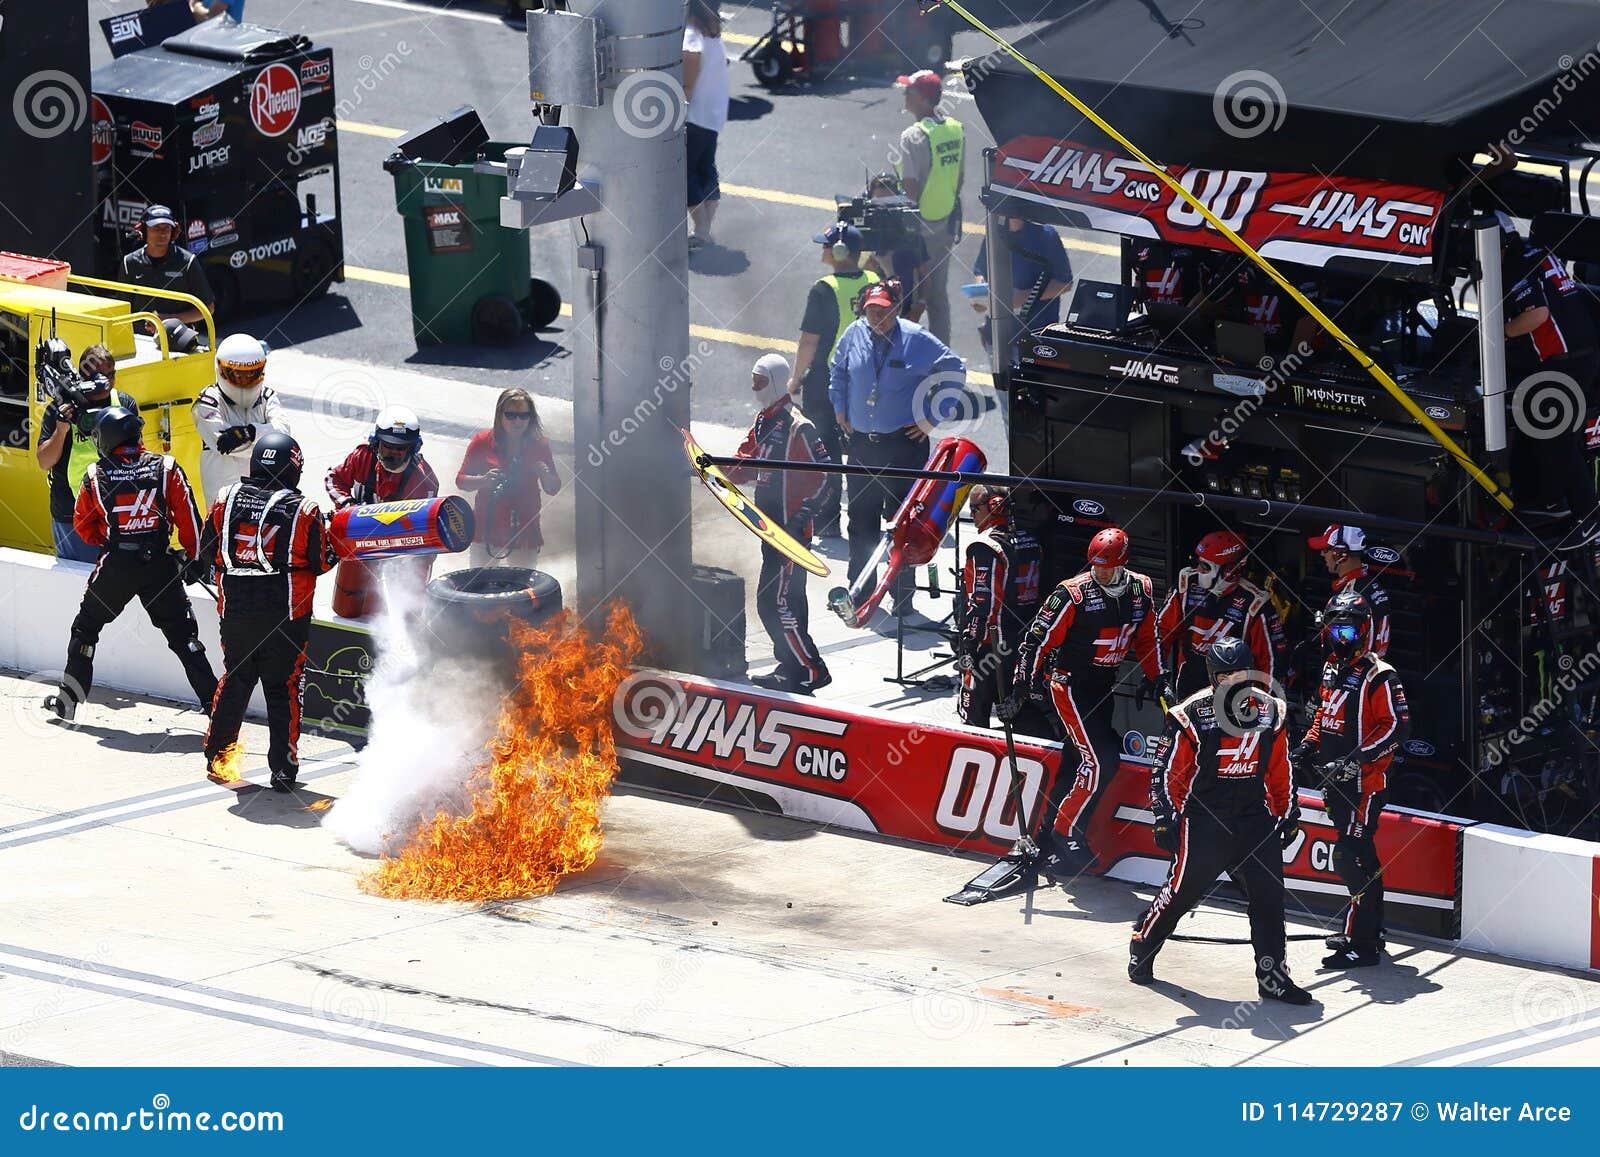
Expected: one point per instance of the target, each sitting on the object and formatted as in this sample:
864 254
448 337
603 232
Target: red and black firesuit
130 502
1222 790
1072 653
1000 597
359 479
1360 722
268 543
781 431
1196 616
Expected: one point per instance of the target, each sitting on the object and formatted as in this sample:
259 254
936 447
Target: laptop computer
1241 343
1100 305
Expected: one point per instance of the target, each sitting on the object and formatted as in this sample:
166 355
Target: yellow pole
1349 346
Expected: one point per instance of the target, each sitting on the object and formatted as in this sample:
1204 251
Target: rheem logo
275 100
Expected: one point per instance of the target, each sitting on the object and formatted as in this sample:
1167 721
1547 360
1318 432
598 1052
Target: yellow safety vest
83 453
946 144
845 287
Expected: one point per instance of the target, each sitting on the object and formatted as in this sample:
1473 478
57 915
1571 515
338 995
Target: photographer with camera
66 433
159 264
896 246
830 308
506 466
931 153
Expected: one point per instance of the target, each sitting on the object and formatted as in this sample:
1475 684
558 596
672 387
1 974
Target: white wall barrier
1535 897
39 596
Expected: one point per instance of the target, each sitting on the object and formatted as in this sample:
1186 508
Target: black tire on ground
544 304
467 611
496 320
773 66
312 271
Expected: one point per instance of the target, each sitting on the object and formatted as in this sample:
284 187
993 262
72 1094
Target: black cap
158 215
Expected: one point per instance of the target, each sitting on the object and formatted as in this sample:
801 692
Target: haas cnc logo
275 100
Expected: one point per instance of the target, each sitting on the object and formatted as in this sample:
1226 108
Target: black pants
119 577
979 692
1248 850
1555 469
1355 859
872 500
1084 708
271 651
820 411
781 603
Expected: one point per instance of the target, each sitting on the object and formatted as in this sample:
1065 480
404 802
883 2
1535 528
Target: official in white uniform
233 411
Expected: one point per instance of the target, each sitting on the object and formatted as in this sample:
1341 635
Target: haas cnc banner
870 771
1297 217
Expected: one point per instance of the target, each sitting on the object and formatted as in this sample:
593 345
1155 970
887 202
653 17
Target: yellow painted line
703 332
367 130
743 39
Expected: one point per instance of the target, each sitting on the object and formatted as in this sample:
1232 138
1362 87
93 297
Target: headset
841 251
890 285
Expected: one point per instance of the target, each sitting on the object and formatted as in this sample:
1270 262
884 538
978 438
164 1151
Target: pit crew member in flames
1072 653
782 431
233 411
1341 547
1222 790
1000 596
1360 722
1212 601
268 543
129 503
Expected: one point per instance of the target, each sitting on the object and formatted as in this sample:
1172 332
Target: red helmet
1109 547
1226 551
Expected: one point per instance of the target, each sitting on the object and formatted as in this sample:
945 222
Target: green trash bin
470 280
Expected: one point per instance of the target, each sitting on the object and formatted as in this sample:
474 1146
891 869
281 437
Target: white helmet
241 364
396 438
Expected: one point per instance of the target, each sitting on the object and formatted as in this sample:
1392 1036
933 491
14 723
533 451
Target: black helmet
115 428
1347 624
1226 655
276 458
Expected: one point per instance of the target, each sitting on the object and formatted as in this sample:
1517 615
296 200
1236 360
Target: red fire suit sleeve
808 493
747 449
89 515
1168 623
1047 632
984 582
343 478
1385 725
424 482
1146 646
181 508
1172 773
1279 775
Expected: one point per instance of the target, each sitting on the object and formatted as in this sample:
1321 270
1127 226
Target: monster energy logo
1329 399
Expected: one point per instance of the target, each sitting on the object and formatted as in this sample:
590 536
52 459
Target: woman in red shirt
505 467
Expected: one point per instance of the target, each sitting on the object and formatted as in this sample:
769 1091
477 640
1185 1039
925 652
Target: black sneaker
1141 968
774 681
1339 941
815 685
1352 957
63 707
1276 985
1580 536
283 782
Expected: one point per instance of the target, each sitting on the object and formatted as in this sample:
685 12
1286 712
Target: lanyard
878 364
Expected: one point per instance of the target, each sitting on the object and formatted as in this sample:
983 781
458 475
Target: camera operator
159 264
900 252
67 449
830 308
879 364
931 153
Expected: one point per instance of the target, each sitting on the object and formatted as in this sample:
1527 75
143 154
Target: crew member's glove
1300 752
1289 826
1341 771
234 437
196 573
1158 690
1166 832
1010 708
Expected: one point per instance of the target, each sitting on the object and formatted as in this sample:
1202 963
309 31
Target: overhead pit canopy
1317 130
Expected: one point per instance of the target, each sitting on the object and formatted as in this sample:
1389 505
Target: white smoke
432 716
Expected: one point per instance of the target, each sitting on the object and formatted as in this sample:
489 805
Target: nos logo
977 794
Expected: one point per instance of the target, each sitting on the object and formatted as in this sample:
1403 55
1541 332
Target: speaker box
44 81
719 608
453 139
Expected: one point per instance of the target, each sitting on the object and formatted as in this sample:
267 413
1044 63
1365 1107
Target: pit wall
1497 890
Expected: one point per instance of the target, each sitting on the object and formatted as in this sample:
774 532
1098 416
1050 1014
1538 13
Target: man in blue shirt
881 383
1039 270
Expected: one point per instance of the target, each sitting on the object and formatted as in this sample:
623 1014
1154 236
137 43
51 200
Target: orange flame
224 768
319 805
535 813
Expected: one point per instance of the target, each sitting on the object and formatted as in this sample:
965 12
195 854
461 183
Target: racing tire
544 304
773 66
311 273
469 611
496 320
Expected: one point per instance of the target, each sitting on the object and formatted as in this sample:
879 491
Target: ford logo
1437 413
1088 507
1383 555
1419 747
1044 351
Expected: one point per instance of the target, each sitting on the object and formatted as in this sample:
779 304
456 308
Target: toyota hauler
234 127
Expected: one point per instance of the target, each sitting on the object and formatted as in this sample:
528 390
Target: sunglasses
517 415
1344 632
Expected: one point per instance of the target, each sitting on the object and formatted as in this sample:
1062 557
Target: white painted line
430 10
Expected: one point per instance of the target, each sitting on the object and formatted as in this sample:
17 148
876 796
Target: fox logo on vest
138 513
